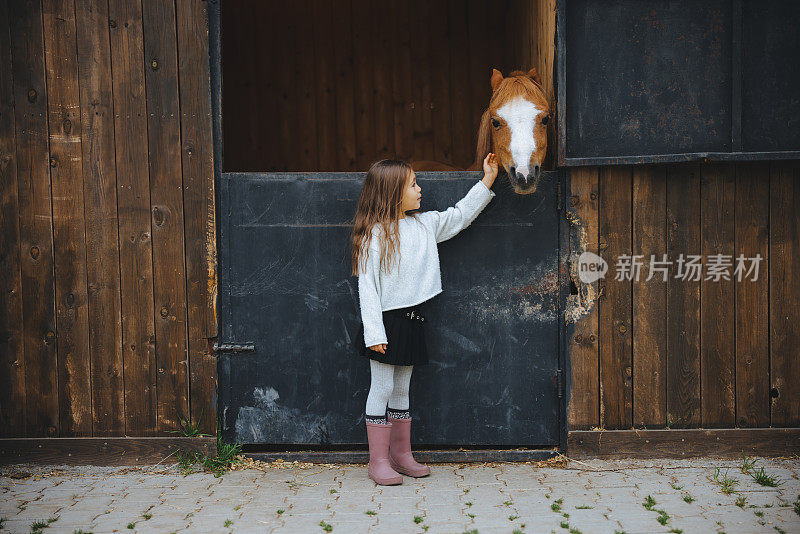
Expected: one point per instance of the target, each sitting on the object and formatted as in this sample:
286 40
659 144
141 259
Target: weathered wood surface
12 360
614 309
108 247
102 224
101 450
197 165
133 212
752 309
584 355
717 336
705 353
688 443
784 285
649 298
39 347
683 298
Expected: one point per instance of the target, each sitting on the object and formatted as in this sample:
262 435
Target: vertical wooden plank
324 37
166 199
614 317
464 137
382 76
784 285
650 297
511 45
35 220
304 63
528 44
255 99
752 296
683 298
584 355
364 82
12 361
270 77
440 32
402 84
480 65
133 208
421 63
522 55
516 52
345 88
102 244
256 30
198 202
69 233
497 21
544 60
529 36
283 39
717 319
545 46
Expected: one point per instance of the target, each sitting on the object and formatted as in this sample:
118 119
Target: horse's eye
496 124
545 119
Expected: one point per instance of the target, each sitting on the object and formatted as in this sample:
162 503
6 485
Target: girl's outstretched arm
450 222
370 300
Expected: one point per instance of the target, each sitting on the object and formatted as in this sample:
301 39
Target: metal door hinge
558 379
558 196
216 348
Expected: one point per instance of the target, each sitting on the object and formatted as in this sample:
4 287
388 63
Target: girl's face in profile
412 195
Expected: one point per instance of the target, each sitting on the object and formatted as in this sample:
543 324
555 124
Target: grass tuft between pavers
227 453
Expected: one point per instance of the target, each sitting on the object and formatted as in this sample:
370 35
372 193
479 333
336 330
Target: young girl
396 259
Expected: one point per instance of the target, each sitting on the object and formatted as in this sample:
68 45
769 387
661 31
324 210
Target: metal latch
232 347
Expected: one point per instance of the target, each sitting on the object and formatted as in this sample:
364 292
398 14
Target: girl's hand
379 348
490 169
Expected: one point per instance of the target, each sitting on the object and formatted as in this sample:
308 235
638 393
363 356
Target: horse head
514 127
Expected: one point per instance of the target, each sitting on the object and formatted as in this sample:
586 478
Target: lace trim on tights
398 414
377 419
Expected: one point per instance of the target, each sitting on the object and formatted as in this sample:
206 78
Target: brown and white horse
514 127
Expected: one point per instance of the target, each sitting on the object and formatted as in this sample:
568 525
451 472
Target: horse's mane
523 84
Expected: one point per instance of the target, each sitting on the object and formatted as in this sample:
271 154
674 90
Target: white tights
389 384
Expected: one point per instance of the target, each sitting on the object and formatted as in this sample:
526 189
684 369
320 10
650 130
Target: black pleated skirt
405 336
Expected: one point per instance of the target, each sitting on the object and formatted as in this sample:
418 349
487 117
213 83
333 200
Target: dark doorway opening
332 86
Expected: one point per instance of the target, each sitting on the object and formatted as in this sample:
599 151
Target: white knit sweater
417 277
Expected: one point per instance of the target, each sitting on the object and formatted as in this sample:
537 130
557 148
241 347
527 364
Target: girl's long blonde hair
380 203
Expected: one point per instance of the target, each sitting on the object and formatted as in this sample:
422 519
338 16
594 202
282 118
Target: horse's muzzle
525 180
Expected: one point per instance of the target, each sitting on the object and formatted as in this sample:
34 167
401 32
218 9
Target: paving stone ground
589 497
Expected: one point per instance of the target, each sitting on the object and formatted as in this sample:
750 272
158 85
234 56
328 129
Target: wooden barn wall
107 228
688 354
358 80
107 232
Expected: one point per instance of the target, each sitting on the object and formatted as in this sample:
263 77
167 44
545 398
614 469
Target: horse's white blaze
520 115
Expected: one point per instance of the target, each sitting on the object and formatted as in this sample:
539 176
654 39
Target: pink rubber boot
379 469
400 457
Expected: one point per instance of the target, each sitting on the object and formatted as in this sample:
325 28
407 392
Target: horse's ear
497 77
533 74
484 140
